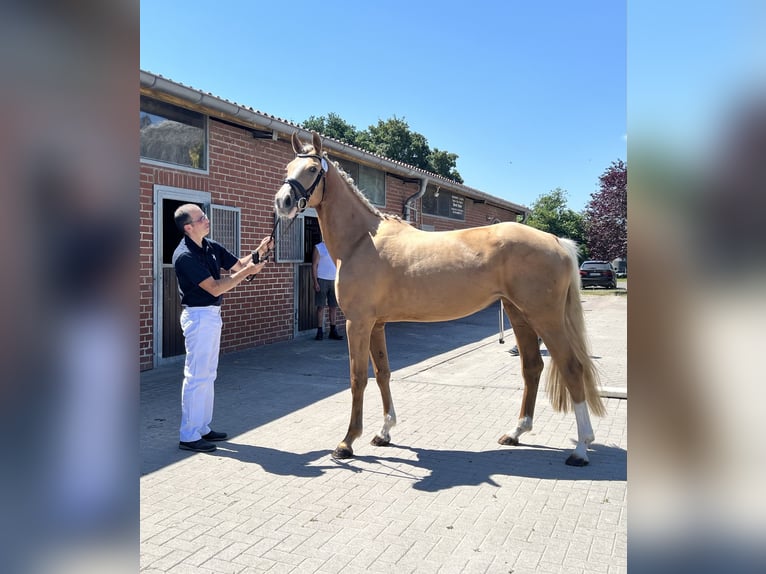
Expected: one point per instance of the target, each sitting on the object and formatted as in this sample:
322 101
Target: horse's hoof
343 452
575 460
508 440
378 441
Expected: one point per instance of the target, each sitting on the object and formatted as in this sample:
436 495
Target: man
198 262
323 272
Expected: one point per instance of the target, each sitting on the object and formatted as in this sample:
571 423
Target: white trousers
202 334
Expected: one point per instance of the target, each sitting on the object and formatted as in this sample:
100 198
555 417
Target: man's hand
253 268
267 245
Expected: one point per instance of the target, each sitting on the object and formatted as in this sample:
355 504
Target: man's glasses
202 218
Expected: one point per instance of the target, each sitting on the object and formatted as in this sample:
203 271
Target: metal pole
502 327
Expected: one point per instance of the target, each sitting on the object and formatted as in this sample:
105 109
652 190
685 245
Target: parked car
598 274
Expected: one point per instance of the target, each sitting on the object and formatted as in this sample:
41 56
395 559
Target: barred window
225 227
289 240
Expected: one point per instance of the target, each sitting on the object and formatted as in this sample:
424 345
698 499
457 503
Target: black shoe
334 335
200 445
212 435
319 335
515 349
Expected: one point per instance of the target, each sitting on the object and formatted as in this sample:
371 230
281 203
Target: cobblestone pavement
444 498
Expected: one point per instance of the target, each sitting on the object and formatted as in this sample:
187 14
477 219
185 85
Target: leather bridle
300 194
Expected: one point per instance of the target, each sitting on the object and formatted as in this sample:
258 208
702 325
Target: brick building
230 159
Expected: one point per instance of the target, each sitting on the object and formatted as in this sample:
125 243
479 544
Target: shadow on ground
263 384
434 470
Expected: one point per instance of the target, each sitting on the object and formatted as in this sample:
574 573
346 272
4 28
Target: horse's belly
435 308
421 292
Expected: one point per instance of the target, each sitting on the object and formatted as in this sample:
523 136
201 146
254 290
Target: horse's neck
343 216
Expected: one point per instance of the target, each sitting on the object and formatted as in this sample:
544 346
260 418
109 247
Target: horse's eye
313 169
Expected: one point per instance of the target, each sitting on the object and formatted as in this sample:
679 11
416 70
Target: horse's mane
363 198
350 181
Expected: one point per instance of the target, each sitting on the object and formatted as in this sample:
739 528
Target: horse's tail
574 326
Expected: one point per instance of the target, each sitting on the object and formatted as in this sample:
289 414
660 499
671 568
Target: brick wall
397 191
476 215
246 172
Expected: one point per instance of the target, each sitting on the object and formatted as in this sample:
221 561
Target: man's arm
220 286
267 243
314 266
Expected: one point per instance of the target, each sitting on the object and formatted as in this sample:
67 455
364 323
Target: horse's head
304 175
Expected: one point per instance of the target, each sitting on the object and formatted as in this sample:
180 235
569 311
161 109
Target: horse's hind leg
585 436
571 373
358 335
531 368
379 357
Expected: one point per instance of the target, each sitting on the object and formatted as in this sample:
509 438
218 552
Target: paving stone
444 497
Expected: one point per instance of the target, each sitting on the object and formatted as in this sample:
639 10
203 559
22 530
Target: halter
297 189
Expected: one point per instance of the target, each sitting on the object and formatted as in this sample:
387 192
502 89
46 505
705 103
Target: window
370 181
443 203
173 135
289 240
224 227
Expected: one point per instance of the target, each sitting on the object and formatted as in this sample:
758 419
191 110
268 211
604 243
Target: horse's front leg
379 357
358 336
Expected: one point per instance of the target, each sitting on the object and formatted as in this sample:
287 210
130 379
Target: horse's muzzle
284 202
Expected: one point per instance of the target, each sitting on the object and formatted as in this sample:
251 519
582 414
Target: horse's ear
317 141
297 145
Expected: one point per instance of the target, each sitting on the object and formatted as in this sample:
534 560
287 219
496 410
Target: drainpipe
407 208
251 118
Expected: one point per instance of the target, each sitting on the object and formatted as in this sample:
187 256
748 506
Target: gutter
257 120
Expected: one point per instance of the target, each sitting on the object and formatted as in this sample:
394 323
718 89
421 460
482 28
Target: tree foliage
333 126
550 213
443 163
391 138
606 215
394 139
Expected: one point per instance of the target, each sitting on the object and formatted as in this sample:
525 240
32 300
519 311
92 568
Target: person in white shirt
323 272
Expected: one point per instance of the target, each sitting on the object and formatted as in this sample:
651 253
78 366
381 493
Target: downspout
252 118
407 208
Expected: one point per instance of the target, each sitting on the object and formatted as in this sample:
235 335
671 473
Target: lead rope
305 196
270 252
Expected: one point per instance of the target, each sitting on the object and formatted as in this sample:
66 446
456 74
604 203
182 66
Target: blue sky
530 95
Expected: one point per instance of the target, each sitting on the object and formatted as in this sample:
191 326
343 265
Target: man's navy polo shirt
194 264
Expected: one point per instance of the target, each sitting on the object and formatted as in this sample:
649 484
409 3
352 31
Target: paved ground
445 497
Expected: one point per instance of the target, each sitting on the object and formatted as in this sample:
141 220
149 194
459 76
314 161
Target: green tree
333 126
550 213
394 139
606 215
443 163
391 138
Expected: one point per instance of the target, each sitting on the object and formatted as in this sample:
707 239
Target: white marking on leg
389 421
525 425
584 430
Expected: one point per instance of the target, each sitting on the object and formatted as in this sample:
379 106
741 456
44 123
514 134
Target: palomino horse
390 271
